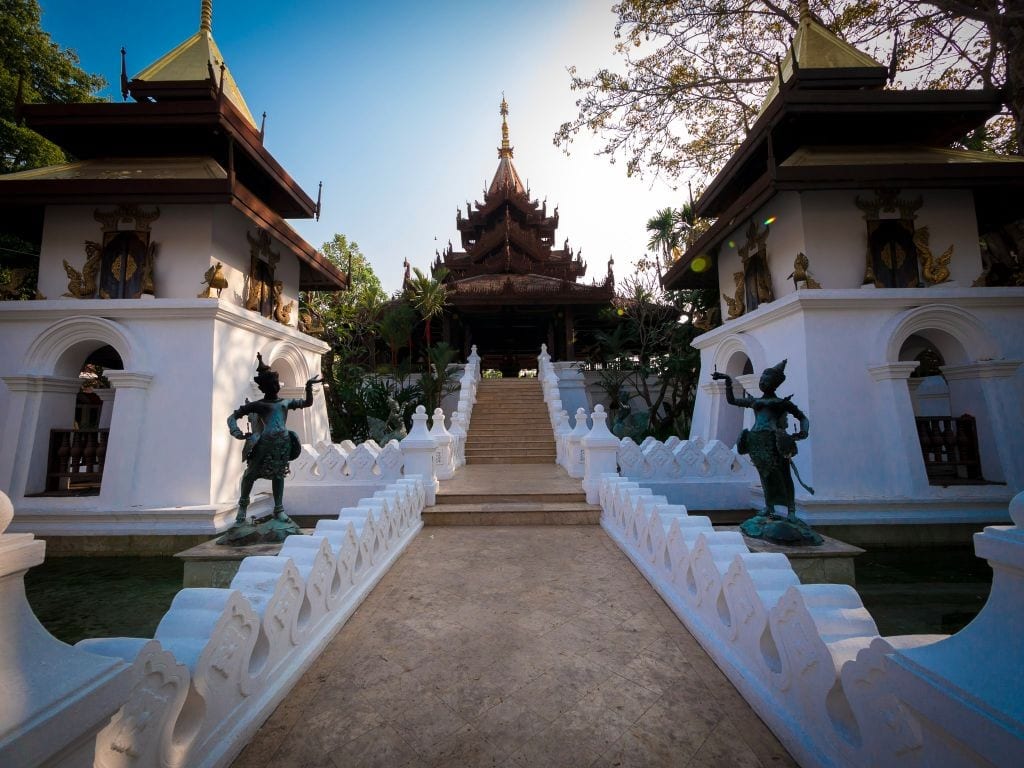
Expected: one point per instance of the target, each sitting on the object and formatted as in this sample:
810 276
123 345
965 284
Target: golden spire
206 17
505 150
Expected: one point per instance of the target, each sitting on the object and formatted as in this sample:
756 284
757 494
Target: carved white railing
677 459
220 661
809 658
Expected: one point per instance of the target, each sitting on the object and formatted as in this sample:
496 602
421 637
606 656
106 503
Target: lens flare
700 264
732 243
769 221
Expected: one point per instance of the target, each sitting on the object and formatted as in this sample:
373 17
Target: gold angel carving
800 273
82 285
214 280
736 304
282 311
934 269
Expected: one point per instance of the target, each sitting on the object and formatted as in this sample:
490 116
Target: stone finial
6 512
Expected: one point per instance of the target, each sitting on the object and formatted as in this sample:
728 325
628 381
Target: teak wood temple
510 289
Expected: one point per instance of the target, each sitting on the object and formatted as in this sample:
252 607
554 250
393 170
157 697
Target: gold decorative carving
310 322
148 265
887 200
757 278
800 273
735 304
126 214
262 264
282 311
214 280
934 269
82 285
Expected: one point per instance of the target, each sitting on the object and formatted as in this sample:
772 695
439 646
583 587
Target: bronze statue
772 449
266 453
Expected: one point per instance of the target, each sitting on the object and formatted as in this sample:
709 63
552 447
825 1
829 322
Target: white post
418 448
444 465
562 429
574 451
106 396
599 455
57 697
458 433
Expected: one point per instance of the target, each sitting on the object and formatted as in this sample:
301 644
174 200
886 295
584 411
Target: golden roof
815 47
506 174
192 60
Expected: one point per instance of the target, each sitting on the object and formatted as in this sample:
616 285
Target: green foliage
350 317
428 296
647 355
19 268
396 325
436 380
696 73
355 396
50 74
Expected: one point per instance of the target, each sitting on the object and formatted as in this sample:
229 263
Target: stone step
516 441
513 513
527 497
538 452
515 459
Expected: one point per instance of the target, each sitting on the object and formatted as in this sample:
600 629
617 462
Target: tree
350 317
396 326
48 74
696 73
428 296
648 355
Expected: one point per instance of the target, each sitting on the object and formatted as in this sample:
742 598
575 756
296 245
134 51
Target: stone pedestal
214 565
831 562
418 448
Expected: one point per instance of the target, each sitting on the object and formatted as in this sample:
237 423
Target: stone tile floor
514 647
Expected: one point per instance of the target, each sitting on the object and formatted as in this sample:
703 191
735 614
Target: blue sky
395 107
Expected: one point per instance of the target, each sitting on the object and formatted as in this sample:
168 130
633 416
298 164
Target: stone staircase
511 477
510 424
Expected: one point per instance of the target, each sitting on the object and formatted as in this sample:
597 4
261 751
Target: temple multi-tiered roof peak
506 176
197 60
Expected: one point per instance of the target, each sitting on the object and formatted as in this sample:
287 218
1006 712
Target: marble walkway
516 647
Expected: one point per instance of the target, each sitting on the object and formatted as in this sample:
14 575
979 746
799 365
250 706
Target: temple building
509 288
165 265
854 237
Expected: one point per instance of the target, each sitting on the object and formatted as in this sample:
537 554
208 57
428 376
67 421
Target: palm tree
664 229
396 326
428 296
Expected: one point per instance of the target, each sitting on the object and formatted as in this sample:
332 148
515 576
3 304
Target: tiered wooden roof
188 138
828 123
508 244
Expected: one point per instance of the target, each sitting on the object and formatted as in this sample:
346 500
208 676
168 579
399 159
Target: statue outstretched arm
308 401
743 402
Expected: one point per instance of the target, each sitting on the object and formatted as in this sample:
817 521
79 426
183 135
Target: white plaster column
899 460
127 423
56 697
418 448
106 396
37 405
600 448
988 391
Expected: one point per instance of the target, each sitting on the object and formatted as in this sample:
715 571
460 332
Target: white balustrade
573 447
808 657
444 456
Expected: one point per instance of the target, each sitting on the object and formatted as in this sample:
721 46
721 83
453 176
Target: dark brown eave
316 273
998 186
799 116
170 128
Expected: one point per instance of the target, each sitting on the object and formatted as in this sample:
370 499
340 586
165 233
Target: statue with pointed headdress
771 448
268 449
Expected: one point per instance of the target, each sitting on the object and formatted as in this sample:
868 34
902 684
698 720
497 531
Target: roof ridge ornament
206 17
505 150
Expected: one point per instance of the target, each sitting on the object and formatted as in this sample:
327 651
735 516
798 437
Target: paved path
516 647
